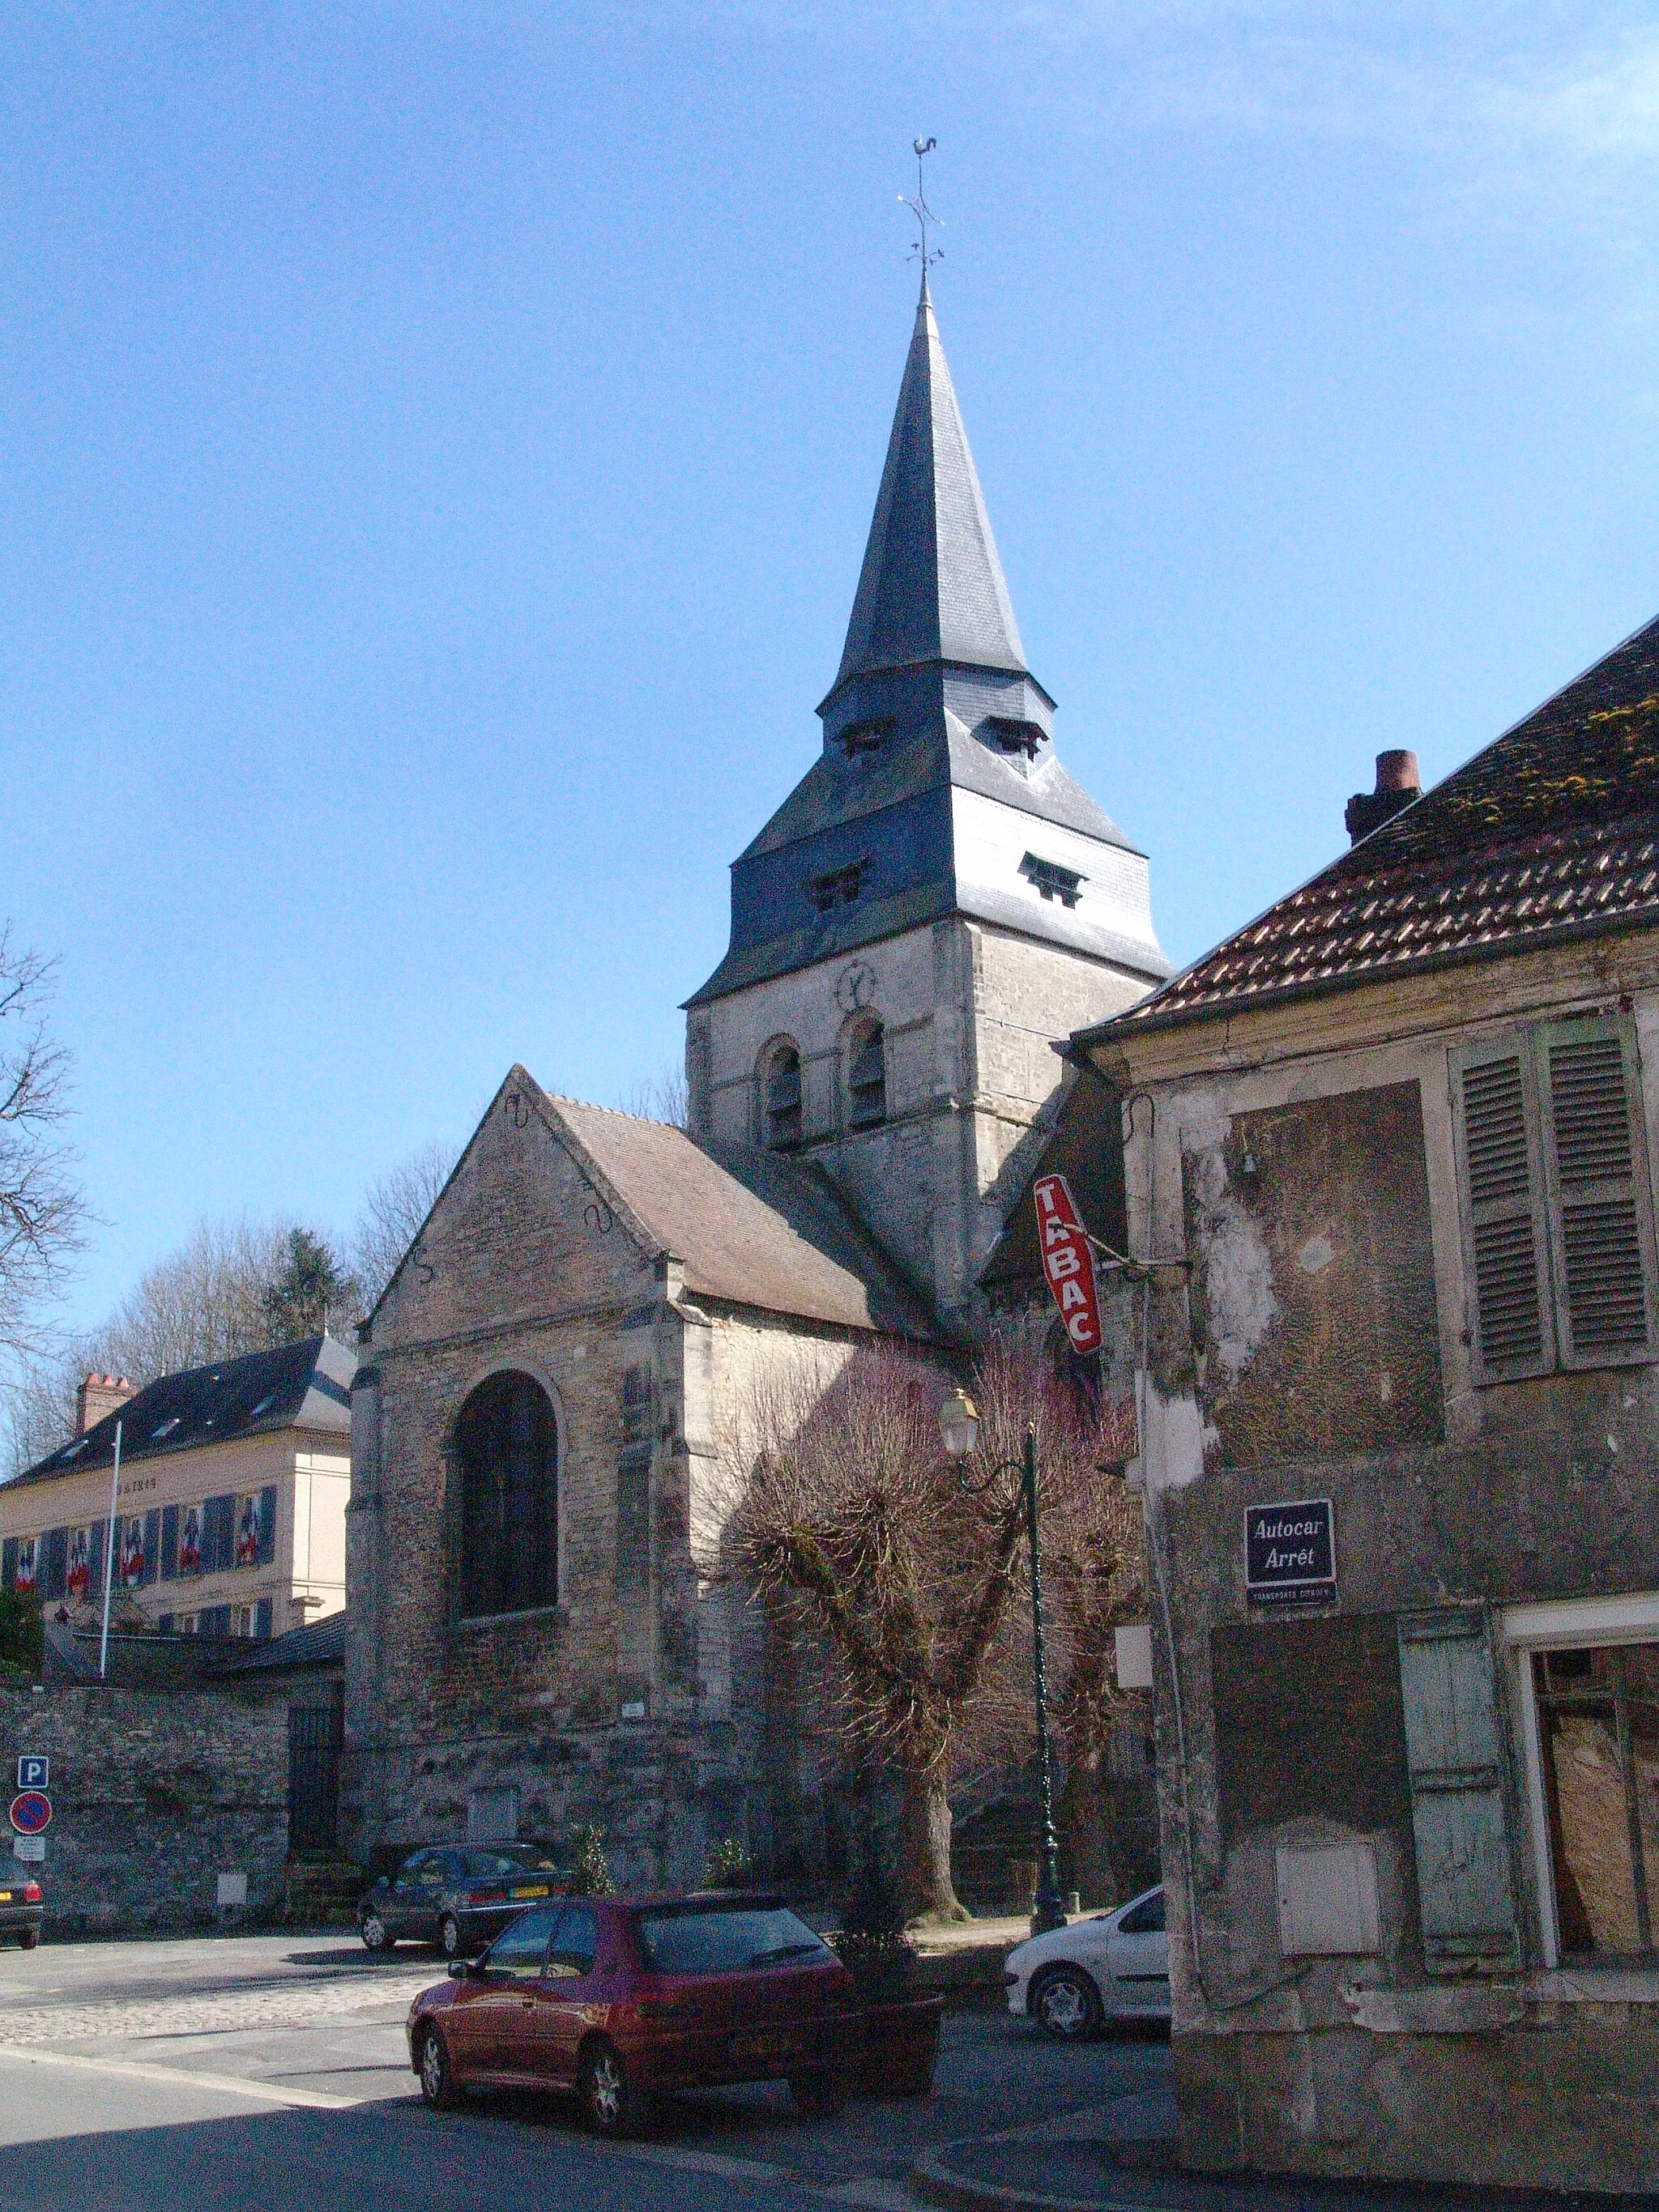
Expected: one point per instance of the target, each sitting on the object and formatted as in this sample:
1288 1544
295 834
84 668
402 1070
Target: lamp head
958 1424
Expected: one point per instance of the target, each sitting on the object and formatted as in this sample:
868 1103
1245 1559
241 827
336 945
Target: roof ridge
621 1113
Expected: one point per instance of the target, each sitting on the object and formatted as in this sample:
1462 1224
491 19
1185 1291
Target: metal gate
314 1734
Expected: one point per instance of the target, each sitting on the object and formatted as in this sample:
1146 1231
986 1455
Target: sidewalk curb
933 2180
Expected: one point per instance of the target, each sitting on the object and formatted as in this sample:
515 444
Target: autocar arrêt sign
1289 1552
1068 1265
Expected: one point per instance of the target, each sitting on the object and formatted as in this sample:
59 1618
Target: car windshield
508 1862
724 1939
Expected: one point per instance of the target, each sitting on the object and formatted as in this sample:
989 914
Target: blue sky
438 444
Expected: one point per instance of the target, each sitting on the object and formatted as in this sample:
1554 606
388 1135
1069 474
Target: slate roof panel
319 1644
305 1385
1550 832
931 584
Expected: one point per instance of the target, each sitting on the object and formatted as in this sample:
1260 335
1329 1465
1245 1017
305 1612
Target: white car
1113 1966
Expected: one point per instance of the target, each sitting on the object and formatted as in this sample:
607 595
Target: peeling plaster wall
1307 1168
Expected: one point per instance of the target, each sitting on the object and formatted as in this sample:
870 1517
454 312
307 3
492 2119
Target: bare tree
855 1525
42 1212
394 1211
662 1097
206 1301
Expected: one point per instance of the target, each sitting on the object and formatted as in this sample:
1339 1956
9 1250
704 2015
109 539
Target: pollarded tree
854 1524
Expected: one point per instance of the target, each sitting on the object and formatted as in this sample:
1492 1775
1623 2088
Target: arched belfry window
866 1075
506 1453
782 1101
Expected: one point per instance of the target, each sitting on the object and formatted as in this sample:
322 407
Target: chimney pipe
1397 784
99 1396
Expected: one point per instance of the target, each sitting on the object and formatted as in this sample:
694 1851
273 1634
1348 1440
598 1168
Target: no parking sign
31 1812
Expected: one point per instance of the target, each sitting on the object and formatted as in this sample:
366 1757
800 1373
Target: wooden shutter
1453 1753
267 1547
1596 1185
1506 1238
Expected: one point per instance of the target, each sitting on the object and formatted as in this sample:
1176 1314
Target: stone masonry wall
153 1795
522 1268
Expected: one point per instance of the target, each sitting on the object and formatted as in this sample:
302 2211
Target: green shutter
1454 1752
1505 1239
1596 1187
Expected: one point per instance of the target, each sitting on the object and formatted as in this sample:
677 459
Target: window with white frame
1557 1212
1590 1685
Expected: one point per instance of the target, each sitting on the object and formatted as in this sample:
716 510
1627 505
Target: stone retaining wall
153 1795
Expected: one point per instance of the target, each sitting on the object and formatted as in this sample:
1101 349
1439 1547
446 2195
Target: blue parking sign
33 1772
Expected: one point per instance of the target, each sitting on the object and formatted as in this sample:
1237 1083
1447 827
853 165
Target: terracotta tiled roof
1550 832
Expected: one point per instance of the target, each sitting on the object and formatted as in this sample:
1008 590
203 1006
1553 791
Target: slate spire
932 587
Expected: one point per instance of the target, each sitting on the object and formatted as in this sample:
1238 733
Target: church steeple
936 899
937 793
932 587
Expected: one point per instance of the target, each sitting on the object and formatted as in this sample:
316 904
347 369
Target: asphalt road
270 2071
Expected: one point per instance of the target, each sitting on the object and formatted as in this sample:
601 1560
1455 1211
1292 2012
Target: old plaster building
548 1418
1401 1449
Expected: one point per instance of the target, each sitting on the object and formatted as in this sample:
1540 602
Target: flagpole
109 1552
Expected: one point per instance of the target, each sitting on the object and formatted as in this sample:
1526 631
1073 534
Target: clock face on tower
855 987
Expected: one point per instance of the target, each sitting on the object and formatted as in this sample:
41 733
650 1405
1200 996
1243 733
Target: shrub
728 1866
589 1875
23 1643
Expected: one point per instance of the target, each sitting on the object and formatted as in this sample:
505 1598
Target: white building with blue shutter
230 1515
1393 1143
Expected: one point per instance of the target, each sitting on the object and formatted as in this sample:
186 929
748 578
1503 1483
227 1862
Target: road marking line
260 2093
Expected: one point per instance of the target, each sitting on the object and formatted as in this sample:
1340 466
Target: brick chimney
1397 784
98 1395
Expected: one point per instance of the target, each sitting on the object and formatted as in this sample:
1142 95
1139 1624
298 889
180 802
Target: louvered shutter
1465 1893
1505 1237
1596 1183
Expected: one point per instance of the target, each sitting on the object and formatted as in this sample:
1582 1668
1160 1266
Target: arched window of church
506 1451
866 1076
782 1100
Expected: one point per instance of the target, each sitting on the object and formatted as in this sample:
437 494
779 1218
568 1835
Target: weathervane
923 214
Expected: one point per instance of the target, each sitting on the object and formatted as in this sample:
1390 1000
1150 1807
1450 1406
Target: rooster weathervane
923 214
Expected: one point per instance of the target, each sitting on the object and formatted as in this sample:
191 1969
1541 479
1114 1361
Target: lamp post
958 1422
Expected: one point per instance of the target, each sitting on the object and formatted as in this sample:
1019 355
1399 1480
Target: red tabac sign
1067 1261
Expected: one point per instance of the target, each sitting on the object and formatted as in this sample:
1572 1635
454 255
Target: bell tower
934 903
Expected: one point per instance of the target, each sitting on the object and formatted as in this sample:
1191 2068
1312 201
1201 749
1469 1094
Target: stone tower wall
970 1014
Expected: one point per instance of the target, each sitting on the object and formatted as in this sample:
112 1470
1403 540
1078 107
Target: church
548 1409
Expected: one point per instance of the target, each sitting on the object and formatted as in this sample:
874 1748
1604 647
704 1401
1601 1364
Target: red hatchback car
617 1998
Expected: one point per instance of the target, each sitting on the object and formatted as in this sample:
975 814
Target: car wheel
438 2083
817 2096
449 1936
28 1938
371 1929
1066 2004
614 2105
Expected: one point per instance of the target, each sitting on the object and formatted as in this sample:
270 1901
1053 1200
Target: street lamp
958 1424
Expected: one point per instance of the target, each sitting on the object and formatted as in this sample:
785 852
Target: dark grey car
458 1896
